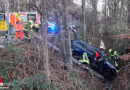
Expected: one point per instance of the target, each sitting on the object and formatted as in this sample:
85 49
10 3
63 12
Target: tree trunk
43 62
128 7
83 20
67 53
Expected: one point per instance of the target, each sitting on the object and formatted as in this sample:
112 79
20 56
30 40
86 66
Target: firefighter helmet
115 52
30 21
84 53
110 50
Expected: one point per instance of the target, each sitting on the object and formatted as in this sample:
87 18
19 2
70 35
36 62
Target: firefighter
114 54
85 60
35 27
28 26
19 32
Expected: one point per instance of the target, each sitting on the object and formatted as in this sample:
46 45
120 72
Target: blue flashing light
52 27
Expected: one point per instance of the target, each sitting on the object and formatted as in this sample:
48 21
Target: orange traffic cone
1 82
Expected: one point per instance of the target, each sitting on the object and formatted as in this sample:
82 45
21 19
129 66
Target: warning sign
3 26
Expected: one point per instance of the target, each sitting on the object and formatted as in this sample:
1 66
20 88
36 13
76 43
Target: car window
31 17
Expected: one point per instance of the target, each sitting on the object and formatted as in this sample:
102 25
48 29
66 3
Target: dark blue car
102 66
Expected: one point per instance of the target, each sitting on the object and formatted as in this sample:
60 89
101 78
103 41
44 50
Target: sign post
7 19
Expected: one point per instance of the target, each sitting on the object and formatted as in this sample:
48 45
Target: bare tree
128 7
83 19
43 61
2 5
66 44
94 14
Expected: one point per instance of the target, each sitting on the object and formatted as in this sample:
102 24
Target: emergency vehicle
18 19
3 24
16 25
25 16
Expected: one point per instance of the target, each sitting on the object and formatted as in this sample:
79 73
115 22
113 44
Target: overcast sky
99 6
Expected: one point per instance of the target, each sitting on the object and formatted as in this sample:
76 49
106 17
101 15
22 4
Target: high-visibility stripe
36 25
31 26
17 15
25 29
116 64
3 25
20 19
27 37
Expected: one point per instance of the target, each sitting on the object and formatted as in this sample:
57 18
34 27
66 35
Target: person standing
27 26
114 54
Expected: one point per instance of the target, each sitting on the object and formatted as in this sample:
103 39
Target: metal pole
7 19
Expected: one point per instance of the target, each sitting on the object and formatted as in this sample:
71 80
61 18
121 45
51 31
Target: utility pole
7 19
83 20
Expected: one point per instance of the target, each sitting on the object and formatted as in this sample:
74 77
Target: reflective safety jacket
25 28
36 25
115 55
85 60
35 28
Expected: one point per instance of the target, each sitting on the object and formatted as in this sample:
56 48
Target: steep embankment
20 62
123 79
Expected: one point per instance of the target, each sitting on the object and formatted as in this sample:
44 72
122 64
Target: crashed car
102 66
